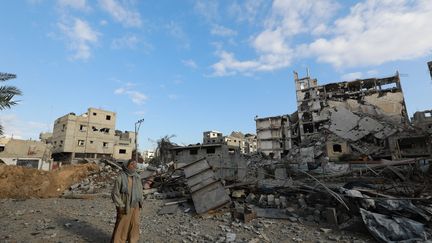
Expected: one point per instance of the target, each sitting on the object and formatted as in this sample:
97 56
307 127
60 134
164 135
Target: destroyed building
225 160
90 135
28 153
356 120
274 135
423 120
223 153
245 142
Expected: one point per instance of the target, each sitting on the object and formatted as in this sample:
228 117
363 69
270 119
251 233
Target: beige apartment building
27 153
90 135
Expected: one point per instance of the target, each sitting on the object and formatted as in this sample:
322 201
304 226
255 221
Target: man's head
131 165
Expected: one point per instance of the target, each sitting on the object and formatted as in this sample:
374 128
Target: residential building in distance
235 139
250 143
148 155
274 137
423 120
28 153
212 137
246 142
90 135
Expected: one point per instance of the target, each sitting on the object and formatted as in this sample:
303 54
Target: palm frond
7 93
6 76
9 90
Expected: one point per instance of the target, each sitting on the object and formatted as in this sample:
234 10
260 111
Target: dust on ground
21 182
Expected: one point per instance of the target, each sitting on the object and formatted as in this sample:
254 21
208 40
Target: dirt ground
22 182
77 220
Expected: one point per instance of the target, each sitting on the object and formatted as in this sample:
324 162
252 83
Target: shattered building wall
90 135
274 135
354 120
423 120
28 153
250 143
377 97
410 144
247 143
225 160
212 137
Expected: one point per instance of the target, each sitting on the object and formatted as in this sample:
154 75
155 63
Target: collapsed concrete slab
206 190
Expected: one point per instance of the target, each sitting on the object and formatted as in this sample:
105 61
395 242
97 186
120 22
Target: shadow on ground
84 230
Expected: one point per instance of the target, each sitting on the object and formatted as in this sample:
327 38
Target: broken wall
226 161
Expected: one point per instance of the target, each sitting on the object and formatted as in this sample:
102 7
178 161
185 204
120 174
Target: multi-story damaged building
423 120
352 120
382 97
223 153
90 135
211 137
246 143
225 160
274 135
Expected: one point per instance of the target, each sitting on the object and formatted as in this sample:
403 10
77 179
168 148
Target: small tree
7 93
163 151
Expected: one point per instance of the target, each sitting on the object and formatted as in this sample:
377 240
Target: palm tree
7 93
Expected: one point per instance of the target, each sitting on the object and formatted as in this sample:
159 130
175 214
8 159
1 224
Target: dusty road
76 220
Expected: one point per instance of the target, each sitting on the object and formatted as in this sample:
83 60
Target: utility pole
137 127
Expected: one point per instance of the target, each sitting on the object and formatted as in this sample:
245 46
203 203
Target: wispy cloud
16 127
122 13
220 30
273 45
177 32
139 113
131 41
207 9
127 41
352 76
247 11
173 96
370 34
135 96
375 32
75 4
80 37
190 63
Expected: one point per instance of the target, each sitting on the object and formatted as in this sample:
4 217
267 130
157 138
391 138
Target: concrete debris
349 159
394 229
207 192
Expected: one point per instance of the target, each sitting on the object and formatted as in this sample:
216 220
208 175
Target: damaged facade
90 135
245 142
28 153
365 119
274 135
225 160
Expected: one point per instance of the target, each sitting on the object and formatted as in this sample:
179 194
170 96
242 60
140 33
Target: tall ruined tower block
309 104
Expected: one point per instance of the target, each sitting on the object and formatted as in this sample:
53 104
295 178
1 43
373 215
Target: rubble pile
98 182
21 182
391 200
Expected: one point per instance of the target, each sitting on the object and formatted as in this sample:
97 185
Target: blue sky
191 66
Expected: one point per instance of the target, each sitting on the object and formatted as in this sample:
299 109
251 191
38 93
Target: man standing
128 198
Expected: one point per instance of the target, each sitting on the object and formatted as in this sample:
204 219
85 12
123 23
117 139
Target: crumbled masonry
348 165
